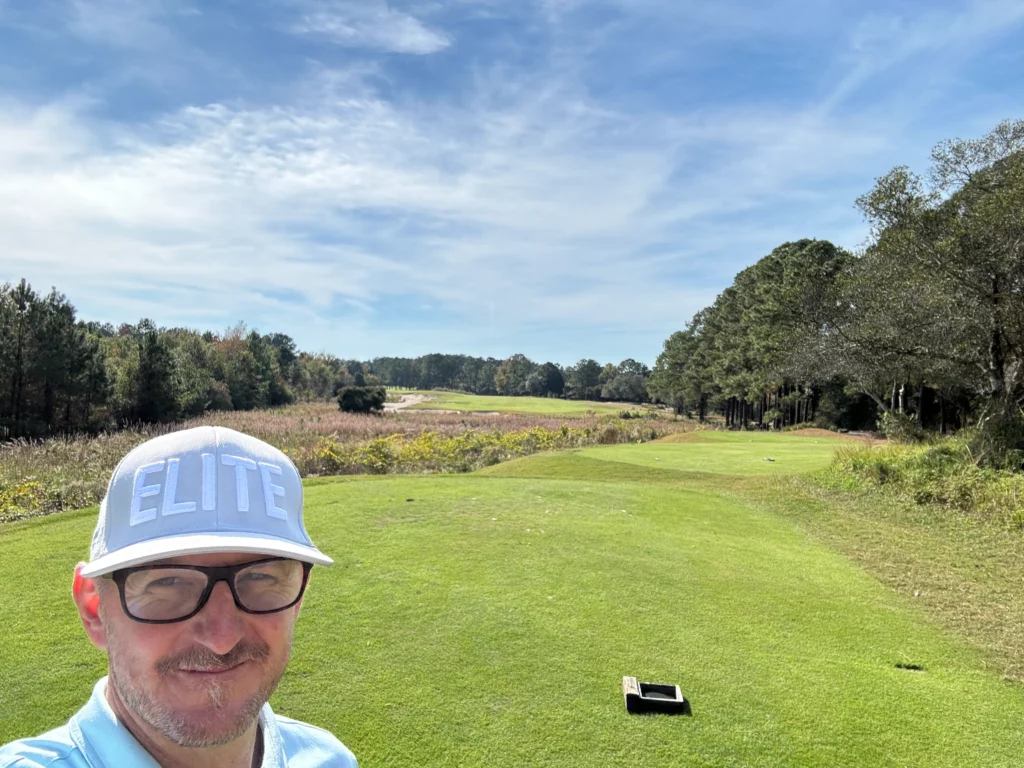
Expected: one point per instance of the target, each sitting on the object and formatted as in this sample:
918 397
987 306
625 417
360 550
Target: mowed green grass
544 406
487 620
733 453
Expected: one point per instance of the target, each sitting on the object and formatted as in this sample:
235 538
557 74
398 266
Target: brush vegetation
943 475
38 477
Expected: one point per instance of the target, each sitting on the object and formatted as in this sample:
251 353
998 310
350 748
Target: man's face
199 682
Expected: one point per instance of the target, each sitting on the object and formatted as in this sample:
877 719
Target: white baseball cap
198 491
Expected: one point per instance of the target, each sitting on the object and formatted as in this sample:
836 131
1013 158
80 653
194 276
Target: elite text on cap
197 491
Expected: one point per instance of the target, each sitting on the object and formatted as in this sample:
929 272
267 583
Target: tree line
921 330
62 375
516 375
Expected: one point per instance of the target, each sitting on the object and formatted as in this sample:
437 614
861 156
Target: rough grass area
42 477
487 620
941 475
964 573
540 406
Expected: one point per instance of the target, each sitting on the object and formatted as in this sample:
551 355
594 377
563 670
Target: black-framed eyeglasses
163 594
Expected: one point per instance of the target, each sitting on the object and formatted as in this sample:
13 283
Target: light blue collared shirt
95 738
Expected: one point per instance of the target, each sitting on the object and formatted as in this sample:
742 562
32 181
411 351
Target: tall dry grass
941 477
40 477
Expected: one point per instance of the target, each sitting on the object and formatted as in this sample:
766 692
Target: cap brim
202 544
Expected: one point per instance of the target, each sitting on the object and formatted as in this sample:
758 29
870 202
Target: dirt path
410 400
405 402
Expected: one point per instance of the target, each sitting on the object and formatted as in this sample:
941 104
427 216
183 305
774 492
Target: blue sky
562 178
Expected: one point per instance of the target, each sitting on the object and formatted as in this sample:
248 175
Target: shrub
943 474
378 456
999 443
362 399
901 428
632 415
26 499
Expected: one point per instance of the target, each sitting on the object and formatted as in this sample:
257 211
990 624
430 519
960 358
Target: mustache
199 657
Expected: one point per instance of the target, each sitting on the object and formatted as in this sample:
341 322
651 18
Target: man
196 574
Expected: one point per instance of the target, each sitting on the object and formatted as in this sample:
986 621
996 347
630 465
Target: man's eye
166 581
258 577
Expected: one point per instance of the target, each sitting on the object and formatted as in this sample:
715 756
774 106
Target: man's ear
87 598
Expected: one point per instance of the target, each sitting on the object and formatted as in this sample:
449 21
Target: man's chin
209 725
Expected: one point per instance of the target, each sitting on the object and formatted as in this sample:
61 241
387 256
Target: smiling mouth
213 671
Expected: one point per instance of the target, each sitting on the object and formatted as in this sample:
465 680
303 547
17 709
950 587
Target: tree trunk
894 400
942 414
18 380
903 398
920 405
883 406
996 358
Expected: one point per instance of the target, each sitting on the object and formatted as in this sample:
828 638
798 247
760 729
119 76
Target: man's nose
220 625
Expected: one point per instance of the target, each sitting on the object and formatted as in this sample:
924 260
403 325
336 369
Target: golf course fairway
488 620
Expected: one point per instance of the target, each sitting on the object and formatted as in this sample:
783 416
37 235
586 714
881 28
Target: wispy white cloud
526 202
881 41
529 206
370 24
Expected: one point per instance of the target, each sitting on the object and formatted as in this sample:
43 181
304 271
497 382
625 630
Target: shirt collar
107 743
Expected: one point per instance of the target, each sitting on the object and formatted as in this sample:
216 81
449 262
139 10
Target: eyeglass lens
166 593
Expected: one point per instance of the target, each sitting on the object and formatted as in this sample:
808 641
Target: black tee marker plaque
653 698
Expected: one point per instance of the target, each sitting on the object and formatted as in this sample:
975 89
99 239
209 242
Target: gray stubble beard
176 727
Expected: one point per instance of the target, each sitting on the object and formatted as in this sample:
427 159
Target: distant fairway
544 406
487 620
733 453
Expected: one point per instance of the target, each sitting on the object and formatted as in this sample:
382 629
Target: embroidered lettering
170 506
142 491
271 491
241 465
209 482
